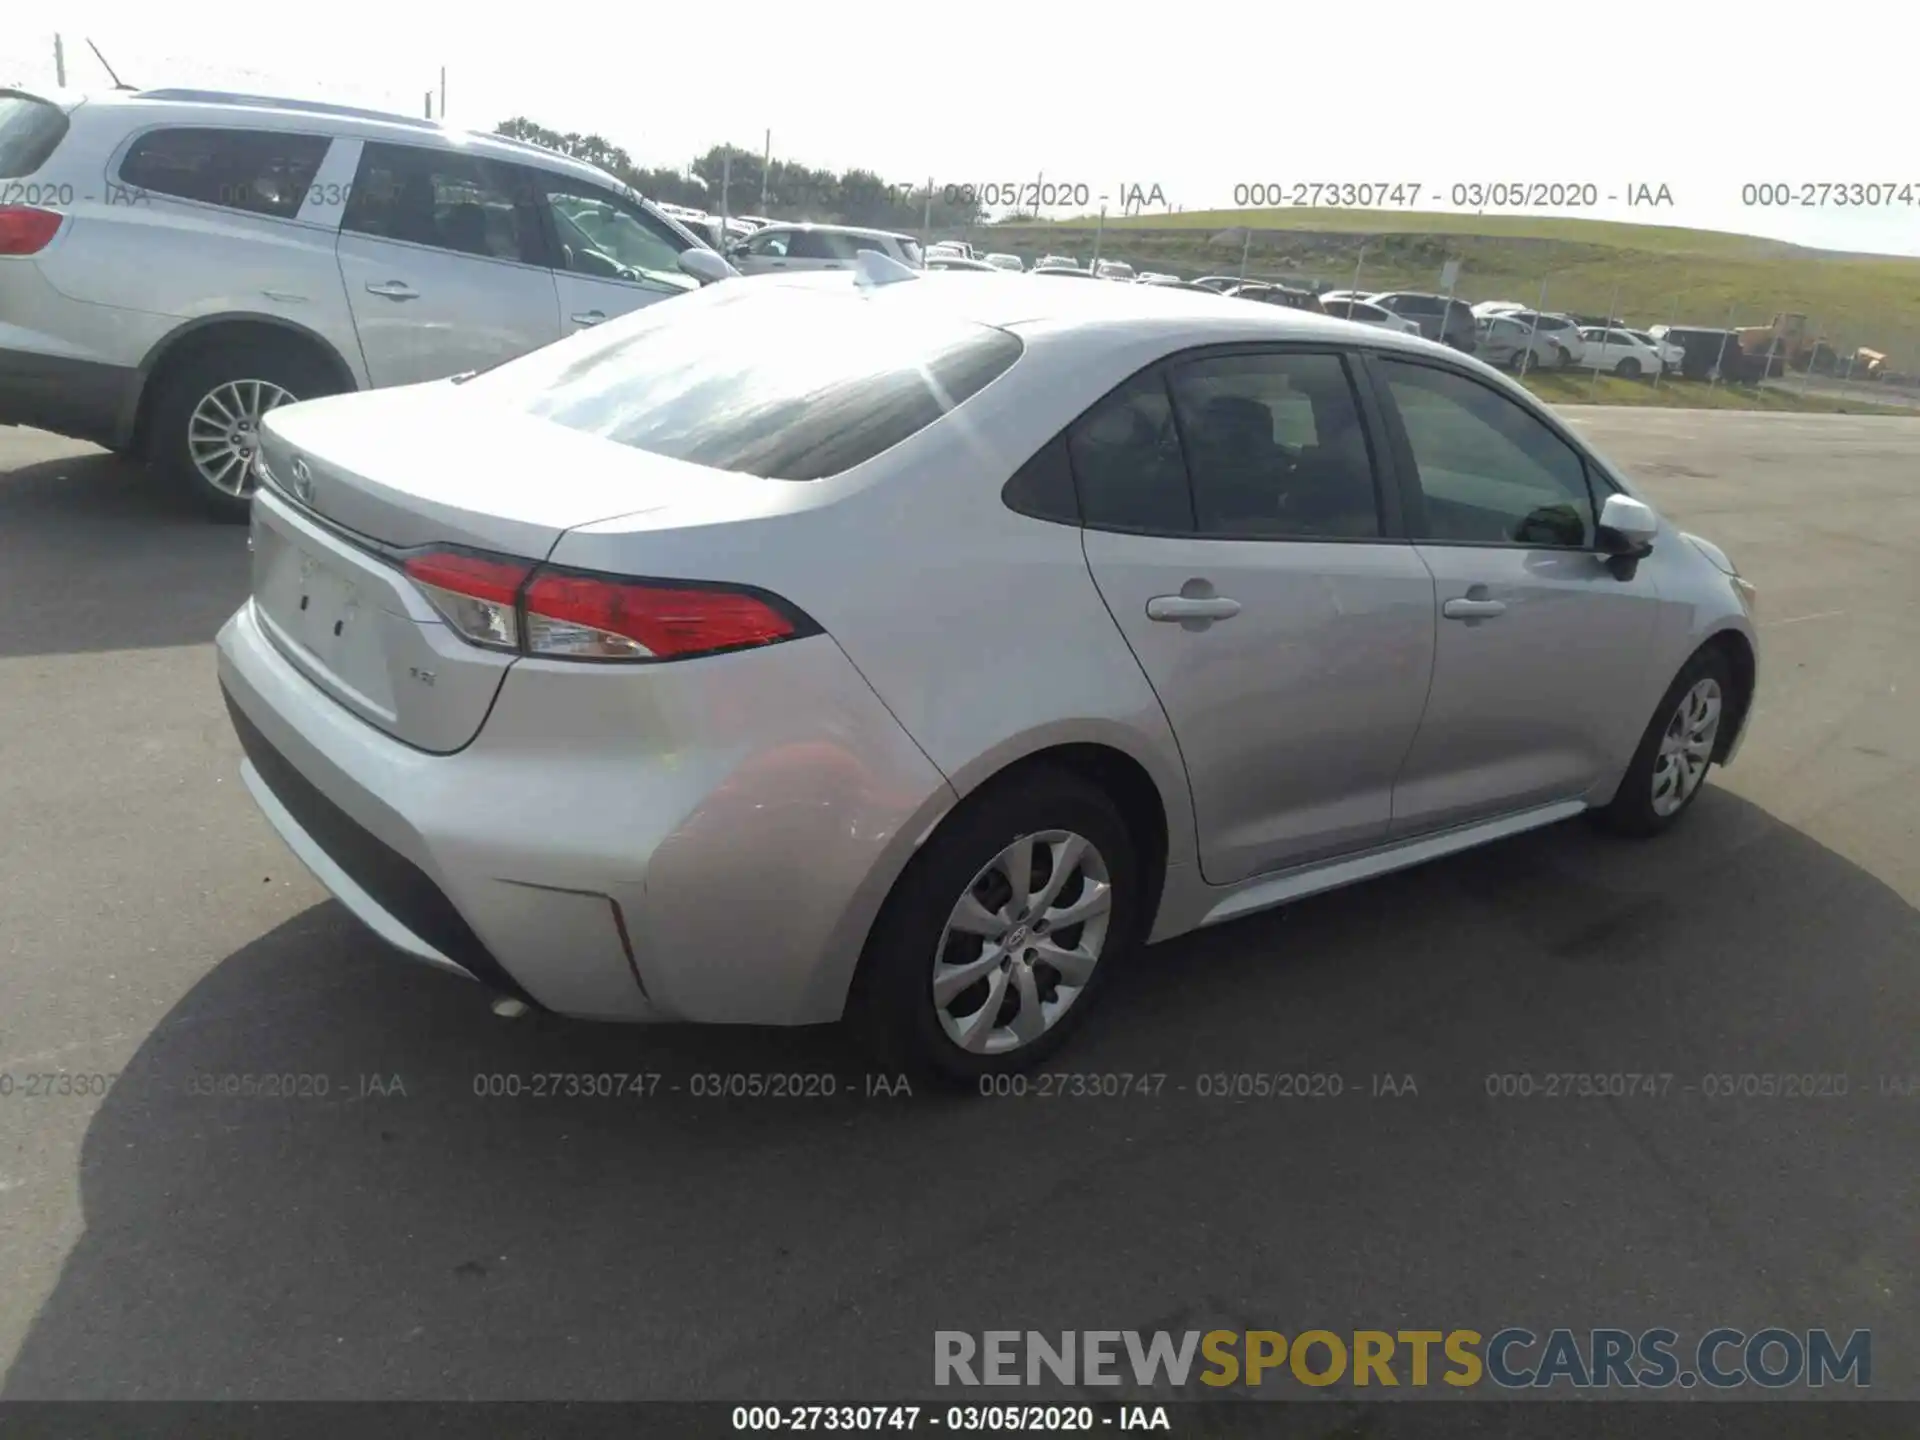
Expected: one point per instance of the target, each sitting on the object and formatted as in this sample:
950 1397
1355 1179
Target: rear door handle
1473 609
589 317
393 289
1192 607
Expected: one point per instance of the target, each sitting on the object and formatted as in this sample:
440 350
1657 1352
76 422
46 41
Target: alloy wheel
1686 747
223 433
1021 943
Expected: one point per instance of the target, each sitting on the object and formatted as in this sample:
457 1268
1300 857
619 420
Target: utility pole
429 104
443 92
766 168
726 180
59 63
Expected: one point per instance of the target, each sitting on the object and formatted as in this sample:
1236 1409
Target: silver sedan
899 649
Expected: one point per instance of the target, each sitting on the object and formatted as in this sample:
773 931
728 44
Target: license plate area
324 619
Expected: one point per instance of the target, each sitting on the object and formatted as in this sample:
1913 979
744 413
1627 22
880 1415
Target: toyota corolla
906 650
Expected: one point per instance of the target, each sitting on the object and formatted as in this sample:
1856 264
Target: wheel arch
208 332
1737 650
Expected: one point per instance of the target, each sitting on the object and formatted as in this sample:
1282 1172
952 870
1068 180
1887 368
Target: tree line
793 192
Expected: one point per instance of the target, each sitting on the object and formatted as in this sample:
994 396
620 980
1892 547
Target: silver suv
175 263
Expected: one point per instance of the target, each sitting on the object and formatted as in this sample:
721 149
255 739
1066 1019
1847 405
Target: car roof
838 230
1116 312
225 108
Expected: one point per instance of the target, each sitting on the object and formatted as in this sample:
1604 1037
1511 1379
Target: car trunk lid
357 483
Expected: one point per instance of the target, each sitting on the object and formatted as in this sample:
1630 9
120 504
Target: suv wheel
1001 931
1628 369
206 418
1670 768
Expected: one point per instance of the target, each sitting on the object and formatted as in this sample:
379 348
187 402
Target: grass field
1646 274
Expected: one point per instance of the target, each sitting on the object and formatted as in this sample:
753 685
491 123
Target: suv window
813 245
31 129
444 199
1490 473
842 246
1275 447
748 387
263 172
771 243
1413 304
600 234
911 250
1127 464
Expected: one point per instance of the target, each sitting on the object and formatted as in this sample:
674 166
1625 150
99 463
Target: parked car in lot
1439 318
1619 352
176 263
1512 345
1070 272
1672 354
776 248
1498 307
1003 261
1270 294
1563 331
960 262
1113 269
1709 353
1366 313
1221 283
1056 262
707 736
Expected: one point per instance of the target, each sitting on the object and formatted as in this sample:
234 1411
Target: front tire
975 969
1628 369
1670 768
207 413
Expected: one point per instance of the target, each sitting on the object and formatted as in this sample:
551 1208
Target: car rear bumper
707 840
83 399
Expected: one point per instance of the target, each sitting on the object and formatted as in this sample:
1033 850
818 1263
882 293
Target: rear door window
751 387
263 172
447 200
31 129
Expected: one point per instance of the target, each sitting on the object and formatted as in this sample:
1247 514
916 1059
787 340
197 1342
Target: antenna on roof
118 83
874 267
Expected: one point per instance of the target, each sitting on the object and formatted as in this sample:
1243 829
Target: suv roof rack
280 102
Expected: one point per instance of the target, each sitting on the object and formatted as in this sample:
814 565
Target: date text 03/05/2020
1040 1419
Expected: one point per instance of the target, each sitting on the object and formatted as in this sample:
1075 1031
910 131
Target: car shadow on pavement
100 554
409 1235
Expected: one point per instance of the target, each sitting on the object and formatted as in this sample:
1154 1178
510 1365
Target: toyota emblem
302 481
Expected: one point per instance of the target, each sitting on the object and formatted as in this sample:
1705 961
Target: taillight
577 615
589 617
26 229
478 596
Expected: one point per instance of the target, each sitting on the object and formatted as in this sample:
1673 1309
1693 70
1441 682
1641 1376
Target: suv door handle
589 317
1473 609
393 289
1192 607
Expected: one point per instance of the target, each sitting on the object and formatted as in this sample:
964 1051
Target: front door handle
589 317
1473 609
1192 607
393 289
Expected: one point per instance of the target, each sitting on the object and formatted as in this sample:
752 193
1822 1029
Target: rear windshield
911 249
789 385
30 131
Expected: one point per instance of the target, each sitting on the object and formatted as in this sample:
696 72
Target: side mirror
705 266
1625 534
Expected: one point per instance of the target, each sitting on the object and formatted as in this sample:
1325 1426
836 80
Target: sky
1698 96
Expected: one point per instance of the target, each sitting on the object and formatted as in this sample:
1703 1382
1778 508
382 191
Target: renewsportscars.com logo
1512 1359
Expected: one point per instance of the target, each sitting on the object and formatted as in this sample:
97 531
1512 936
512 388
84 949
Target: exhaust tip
508 1008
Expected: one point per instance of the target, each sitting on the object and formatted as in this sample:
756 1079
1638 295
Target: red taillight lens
595 618
569 615
26 229
477 595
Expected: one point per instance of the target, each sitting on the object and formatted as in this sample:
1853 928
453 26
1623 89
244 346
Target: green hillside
1659 273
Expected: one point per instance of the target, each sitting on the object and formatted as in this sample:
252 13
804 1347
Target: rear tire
205 417
938 955
1669 769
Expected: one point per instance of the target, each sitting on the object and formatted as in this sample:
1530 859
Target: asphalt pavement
403 1235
